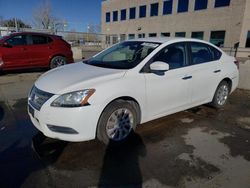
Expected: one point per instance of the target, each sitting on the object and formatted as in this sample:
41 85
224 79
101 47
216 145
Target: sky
78 13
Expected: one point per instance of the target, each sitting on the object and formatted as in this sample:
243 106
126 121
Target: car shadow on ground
121 163
118 164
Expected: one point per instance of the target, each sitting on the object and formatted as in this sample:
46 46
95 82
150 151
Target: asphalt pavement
200 147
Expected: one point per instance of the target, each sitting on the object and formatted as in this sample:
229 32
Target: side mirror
6 44
159 66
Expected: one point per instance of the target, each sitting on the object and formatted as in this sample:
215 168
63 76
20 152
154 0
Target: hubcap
222 95
58 62
119 124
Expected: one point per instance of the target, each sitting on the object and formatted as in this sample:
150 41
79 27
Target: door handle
217 71
187 77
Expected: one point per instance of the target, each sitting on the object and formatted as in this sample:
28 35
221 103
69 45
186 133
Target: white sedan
130 83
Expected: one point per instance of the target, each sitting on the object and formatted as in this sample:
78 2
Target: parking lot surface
200 147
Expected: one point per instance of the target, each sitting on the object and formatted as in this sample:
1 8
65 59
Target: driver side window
17 40
174 55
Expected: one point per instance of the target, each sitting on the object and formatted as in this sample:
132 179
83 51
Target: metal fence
74 38
85 39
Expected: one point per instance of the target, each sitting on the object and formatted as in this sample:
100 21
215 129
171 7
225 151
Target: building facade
222 22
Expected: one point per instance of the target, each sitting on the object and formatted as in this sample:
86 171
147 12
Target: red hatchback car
33 50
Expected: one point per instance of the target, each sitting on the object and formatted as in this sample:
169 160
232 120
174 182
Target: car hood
76 76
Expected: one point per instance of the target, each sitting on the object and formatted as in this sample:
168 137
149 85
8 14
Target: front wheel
117 122
57 61
221 95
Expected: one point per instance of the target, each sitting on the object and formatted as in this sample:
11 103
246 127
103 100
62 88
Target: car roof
163 40
30 33
167 39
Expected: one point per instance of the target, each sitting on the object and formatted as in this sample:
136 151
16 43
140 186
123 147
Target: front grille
38 97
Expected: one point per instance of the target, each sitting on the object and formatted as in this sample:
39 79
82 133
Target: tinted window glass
222 3
141 35
152 34
183 5
131 36
123 14
216 53
108 17
37 39
165 34
217 38
174 55
49 40
197 35
180 34
132 12
200 4
248 40
143 10
167 7
154 9
122 37
200 53
115 16
17 40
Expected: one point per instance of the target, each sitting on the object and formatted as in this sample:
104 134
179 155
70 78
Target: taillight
1 62
237 63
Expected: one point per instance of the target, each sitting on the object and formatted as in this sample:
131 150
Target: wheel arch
132 101
129 99
54 55
229 81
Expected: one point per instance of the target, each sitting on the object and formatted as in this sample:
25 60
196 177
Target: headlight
73 99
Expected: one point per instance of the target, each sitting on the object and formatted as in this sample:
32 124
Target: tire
117 122
57 61
221 95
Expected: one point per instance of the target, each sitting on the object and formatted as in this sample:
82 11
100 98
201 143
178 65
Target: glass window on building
131 36
132 13
123 14
183 5
218 38
154 9
152 34
165 34
143 11
180 34
200 4
115 39
248 40
167 7
115 16
122 37
197 35
107 16
221 3
141 35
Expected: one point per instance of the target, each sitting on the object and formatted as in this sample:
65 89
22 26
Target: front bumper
83 120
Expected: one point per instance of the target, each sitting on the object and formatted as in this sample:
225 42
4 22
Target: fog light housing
64 130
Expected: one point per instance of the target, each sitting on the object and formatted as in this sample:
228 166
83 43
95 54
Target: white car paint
156 95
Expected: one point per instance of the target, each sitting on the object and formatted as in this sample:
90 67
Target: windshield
125 55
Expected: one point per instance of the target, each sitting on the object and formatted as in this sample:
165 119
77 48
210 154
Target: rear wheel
117 122
57 61
221 95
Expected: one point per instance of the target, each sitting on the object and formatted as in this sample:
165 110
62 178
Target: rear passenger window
200 53
38 39
216 53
